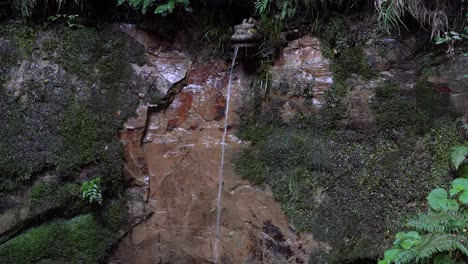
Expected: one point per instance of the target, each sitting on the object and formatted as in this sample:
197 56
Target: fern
91 191
458 155
438 222
261 6
440 230
433 244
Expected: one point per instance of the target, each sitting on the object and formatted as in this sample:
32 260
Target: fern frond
438 222
405 257
261 6
432 244
458 155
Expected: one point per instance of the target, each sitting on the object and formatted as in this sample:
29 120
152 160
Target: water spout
221 165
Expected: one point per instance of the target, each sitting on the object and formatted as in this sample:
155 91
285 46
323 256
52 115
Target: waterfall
221 165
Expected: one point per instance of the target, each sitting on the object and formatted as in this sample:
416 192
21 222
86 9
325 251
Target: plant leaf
438 201
458 155
463 198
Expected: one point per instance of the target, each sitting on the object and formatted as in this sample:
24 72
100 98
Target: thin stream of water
221 166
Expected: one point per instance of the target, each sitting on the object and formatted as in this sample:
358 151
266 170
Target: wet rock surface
182 150
300 78
172 145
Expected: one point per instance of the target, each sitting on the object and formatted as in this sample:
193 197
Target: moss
351 61
248 165
115 215
256 132
79 240
79 134
15 168
349 190
334 108
346 56
157 99
79 50
395 112
18 43
52 195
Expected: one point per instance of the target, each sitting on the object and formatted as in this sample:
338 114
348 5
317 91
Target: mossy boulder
83 239
66 101
64 96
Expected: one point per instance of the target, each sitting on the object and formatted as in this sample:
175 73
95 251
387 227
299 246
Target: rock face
182 150
449 78
300 78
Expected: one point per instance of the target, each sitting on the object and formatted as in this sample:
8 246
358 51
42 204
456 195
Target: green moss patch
396 112
71 119
82 239
51 195
79 133
349 190
17 42
19 158
346 55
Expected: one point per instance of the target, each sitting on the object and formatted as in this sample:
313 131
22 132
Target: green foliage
14 169
25 7
351 61
70 20
458 155
334 109
389 17
327 181
451 37
460 189
313 169
218 36
440 230
280 10
161 8
64 129
346 56
438 201
91 191
80 240
273 16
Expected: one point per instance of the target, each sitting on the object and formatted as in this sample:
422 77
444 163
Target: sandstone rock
301 76
182 151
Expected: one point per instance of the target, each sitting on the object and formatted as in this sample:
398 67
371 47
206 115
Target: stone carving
247 31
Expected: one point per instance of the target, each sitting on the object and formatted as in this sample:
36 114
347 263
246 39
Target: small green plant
440 233
161 8
91 191
25 7
218 36
458 155
389 17
70 20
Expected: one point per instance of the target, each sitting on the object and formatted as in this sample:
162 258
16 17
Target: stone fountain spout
247 34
